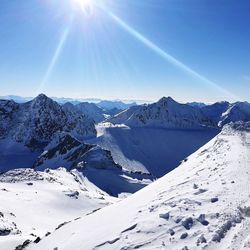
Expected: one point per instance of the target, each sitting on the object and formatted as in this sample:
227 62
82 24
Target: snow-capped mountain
197 104
15 98
196 205
239 111
34 123
42 134
124 115
92 110
108 105
78 124
215 111
166 113
7 111
223 112
202 204
64 150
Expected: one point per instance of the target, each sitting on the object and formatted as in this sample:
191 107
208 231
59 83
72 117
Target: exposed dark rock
201 240
165 216
37 240
213 200
171 231
184 236
202 220
23 246
188 223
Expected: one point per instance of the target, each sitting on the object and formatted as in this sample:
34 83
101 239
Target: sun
86 6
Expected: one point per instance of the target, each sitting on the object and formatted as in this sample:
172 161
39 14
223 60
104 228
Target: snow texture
202 204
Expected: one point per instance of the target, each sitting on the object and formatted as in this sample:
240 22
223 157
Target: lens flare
166 56
86 6
54 59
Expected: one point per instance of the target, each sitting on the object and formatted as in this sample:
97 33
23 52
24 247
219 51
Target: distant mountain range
107 104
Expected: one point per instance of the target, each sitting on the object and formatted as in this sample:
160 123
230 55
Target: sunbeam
54 59
164 54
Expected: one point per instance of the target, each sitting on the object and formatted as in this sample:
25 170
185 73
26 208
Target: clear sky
126 49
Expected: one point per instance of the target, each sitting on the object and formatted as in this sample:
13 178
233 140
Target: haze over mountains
106 104
92 155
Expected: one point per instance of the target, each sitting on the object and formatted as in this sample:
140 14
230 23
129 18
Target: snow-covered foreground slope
33 204
204 203
150 150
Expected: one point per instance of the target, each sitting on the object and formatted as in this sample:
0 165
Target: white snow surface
202 204
35 203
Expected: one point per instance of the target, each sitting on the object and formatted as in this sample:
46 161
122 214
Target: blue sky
51 46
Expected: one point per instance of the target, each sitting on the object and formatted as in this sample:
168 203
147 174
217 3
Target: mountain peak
166 100
41 98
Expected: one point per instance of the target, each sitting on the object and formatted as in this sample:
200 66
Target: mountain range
173 174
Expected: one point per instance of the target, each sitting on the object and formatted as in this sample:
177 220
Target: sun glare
86 6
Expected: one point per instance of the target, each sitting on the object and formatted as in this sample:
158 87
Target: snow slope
223 112
215 111
239 111
35 203
90 110
202 204
150 150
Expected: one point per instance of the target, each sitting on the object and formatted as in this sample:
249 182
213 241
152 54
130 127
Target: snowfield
34 204
150 150
202 204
